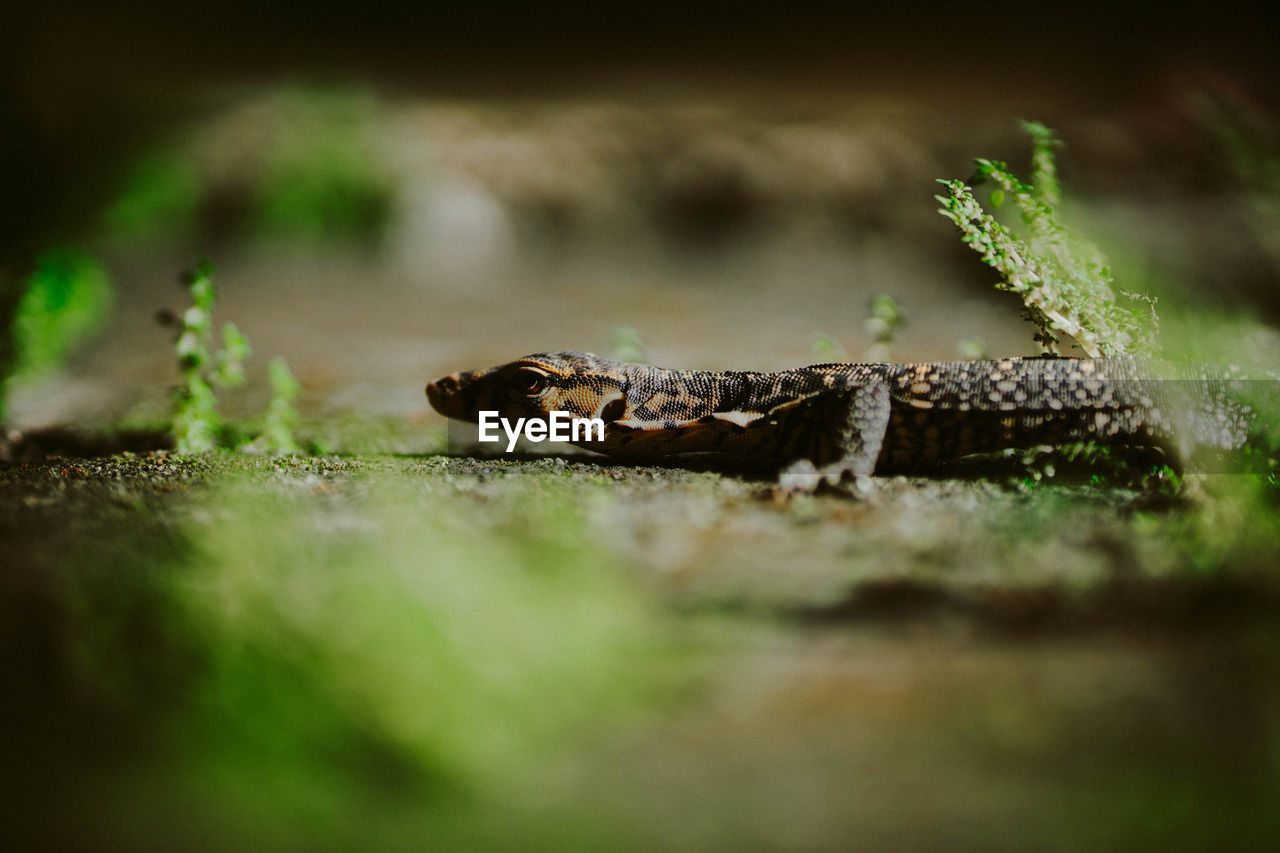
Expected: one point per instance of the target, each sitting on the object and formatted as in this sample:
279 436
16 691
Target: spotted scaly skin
829 421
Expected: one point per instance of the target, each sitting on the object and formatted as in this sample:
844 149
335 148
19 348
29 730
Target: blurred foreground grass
398 652
271 663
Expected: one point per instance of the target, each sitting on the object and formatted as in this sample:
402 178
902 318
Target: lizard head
583 384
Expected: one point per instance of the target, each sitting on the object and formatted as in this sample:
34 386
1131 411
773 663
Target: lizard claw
802 476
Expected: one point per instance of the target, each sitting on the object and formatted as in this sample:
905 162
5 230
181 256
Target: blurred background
377 652
393 195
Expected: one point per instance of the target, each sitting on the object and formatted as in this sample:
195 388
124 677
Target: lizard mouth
447 398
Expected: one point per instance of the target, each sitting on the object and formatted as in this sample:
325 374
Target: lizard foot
802 476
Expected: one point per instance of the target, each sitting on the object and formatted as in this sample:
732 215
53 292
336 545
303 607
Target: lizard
827 422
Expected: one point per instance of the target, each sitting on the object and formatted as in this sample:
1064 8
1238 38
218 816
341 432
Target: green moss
288 668
160 199
312 175
321 178
67 300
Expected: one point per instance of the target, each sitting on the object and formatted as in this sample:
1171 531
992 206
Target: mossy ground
374 650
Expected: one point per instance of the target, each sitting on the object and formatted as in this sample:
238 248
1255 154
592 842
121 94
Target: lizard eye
531 382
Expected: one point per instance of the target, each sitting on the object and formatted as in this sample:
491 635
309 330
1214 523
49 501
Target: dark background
83 82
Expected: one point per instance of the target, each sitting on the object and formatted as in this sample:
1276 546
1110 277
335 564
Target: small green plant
44 317
885 320
627 344
971 349
825 348
281 418
1065 283
66 301
1037 465
197 425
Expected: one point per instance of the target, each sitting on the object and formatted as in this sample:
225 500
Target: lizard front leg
847 429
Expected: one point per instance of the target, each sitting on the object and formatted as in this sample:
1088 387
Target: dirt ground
961 664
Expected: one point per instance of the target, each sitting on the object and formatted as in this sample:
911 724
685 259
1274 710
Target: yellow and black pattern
859 418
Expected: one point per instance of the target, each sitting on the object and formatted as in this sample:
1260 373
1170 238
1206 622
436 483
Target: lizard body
831 420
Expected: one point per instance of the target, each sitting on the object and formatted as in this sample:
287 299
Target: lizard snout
444 396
